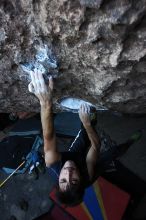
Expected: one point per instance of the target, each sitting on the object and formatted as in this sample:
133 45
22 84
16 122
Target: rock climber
84 161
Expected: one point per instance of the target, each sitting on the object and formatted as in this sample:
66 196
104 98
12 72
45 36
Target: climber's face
69 176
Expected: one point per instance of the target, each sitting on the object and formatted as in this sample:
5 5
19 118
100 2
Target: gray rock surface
22 188
100 46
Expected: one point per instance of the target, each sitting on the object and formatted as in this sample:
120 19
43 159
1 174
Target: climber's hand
84 114
40 89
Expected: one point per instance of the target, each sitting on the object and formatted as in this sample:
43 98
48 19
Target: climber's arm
94 150
44 94
49 136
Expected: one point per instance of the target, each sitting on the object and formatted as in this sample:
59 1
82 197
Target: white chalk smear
44 61
74 104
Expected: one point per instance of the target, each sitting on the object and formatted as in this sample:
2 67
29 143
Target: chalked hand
38 86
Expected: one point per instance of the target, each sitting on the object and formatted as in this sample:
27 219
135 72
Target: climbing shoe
135 137
33 172
41 167
122 148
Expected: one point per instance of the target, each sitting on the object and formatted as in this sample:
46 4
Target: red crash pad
114 199
79 211
56 213
111 200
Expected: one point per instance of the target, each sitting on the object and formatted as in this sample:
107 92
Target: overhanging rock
100 47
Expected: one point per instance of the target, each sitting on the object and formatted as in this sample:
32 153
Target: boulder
99 45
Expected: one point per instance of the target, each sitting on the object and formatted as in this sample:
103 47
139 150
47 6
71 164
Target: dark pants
81 144
122 177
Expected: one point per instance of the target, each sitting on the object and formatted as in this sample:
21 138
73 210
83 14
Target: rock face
100 46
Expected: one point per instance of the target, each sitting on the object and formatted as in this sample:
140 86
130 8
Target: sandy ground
21 189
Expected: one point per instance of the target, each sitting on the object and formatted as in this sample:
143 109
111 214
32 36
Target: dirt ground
24 198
